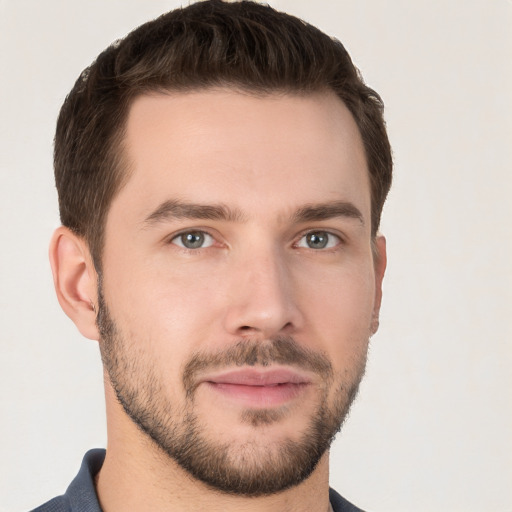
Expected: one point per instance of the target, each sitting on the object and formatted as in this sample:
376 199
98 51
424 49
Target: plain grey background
431 429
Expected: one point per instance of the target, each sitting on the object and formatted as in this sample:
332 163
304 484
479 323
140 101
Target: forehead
262 152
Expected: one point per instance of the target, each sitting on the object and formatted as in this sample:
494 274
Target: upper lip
258 377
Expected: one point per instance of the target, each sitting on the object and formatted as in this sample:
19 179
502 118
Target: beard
245 468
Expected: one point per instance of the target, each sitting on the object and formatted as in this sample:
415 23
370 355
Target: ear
379 262
75 280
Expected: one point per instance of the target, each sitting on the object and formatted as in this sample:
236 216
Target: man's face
239 285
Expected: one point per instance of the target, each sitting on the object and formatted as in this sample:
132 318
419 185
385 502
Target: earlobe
380 262
75 280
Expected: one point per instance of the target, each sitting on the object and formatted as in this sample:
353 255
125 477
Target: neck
138 476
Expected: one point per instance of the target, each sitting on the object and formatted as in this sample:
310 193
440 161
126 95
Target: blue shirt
81 496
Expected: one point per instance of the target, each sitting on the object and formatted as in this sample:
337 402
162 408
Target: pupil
317 240
193 240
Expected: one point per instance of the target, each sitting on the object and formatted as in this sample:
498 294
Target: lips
258 388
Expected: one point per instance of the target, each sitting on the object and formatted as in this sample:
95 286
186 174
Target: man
221 174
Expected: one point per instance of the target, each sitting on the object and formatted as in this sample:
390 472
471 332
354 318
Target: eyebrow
324 211
176 209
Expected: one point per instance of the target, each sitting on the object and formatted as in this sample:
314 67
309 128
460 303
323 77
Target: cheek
347 288
339 310
170 311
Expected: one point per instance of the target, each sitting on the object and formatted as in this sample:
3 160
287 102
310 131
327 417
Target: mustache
283 350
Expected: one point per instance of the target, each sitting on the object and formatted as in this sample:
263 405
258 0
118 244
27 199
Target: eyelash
331 237
201 232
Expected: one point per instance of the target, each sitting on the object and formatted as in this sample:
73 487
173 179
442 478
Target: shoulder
81 494
340 504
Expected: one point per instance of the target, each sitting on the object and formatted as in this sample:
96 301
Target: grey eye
319 240
193 240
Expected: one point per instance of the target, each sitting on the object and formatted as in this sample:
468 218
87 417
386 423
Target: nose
261 299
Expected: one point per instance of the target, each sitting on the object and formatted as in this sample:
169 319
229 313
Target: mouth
256 388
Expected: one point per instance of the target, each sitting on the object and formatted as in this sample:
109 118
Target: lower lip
259 396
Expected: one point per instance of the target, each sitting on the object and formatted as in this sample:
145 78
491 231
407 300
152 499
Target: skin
256 278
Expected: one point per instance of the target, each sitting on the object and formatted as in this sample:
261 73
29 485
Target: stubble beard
248 468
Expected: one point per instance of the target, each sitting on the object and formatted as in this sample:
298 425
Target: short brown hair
207 44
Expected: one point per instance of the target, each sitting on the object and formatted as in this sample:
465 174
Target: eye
193 240
319 240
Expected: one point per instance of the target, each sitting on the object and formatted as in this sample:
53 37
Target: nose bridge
261 299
